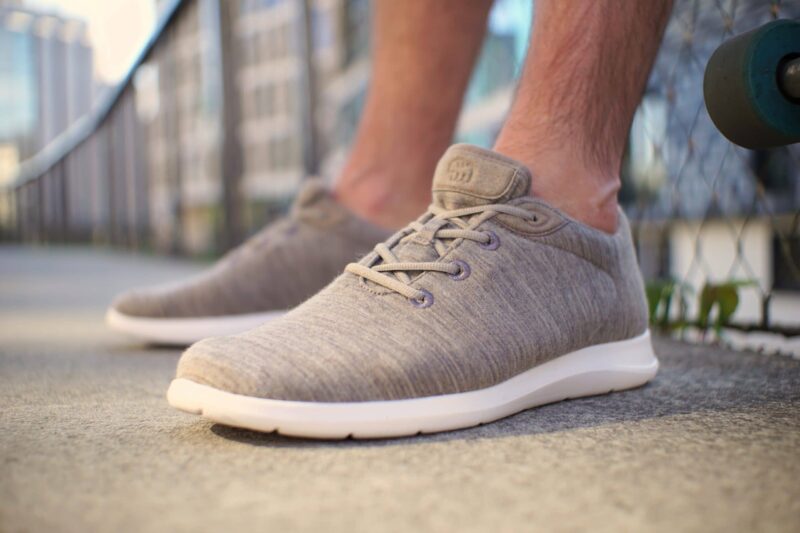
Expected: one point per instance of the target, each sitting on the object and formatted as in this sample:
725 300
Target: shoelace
393 273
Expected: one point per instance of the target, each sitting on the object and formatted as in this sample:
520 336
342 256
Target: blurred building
279 42
179 98
270 80
176 116
46 80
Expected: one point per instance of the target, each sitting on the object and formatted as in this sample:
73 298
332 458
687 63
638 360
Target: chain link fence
718 226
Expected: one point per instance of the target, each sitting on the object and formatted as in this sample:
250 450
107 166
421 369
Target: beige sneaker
275 270
490 303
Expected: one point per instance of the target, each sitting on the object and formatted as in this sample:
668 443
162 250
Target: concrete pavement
88 443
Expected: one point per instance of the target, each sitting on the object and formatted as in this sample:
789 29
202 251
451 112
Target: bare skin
586 69
587 66
423 54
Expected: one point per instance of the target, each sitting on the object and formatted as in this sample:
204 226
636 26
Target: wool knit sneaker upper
272 272
490 303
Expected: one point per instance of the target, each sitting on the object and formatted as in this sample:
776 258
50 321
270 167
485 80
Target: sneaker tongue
467 176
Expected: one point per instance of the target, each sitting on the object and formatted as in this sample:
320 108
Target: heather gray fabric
553 285
276 269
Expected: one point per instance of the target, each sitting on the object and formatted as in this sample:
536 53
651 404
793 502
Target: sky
117 29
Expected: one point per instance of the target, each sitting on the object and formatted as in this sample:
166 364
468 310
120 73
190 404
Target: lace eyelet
494 241
425 301
463 270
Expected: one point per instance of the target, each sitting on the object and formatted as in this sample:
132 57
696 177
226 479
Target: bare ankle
591 201
602 217
584 189
379 199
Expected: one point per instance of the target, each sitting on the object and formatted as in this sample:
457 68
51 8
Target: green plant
660 297
722 298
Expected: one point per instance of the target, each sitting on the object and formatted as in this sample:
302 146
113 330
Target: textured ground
88 443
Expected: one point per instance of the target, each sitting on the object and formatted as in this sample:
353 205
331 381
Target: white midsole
184 331
593 370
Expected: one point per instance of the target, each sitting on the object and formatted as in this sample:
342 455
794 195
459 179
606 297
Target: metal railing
40 198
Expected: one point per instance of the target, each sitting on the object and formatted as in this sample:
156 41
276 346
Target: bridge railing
87 183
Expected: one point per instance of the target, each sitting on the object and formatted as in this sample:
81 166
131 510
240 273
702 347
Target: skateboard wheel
749 86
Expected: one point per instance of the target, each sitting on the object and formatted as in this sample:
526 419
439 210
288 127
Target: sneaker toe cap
221 363
260 369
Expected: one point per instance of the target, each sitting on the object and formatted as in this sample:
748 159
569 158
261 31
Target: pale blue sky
117 29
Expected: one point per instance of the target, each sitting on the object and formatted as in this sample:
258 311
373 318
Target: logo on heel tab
459 170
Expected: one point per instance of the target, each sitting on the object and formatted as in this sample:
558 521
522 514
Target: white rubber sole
593 370
184 331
